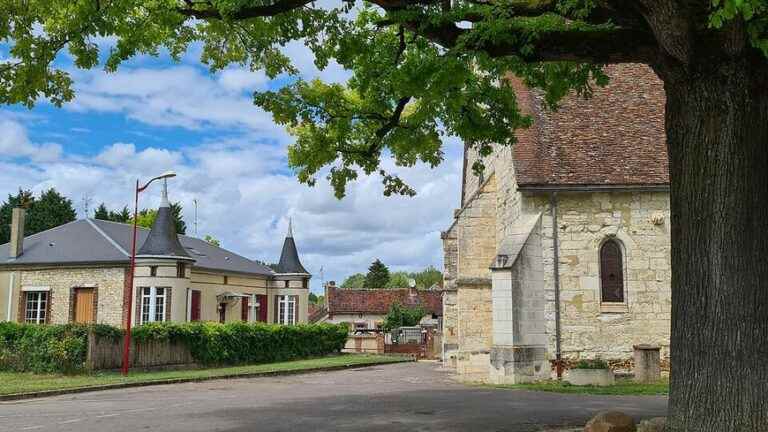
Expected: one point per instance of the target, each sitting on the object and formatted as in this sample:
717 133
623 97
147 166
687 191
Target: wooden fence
107 353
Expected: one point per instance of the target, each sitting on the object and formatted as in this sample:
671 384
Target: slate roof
94 241
378 301
289 256
614 138
162 239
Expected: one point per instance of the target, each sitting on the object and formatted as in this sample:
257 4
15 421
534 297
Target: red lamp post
129 287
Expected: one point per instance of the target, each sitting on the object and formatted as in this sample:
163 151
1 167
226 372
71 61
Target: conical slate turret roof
289 257
163 240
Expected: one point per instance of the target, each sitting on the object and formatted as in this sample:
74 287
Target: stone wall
640 222
107 281
450 328
475 330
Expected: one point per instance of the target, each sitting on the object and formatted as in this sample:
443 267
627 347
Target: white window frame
286 303
150 299
39 312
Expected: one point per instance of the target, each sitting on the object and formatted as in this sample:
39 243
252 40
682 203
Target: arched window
611 272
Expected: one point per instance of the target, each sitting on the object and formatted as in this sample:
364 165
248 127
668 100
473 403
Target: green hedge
62 348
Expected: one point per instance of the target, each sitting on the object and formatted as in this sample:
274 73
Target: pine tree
102 213
378 275
48 211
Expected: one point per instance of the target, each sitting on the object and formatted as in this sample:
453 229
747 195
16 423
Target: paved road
401 397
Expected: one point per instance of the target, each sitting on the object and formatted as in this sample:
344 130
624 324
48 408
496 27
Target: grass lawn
13 382
622 387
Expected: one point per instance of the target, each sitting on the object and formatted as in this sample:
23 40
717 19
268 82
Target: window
153 302
305 283
153 271
226 280
361 325
611 272
255 305
287 310
36 307
181 270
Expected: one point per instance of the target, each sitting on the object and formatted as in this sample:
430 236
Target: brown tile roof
615 138
378 301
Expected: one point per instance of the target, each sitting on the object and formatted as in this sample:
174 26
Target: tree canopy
421 69
47 211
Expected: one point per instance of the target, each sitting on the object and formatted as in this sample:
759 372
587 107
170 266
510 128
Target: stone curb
73 390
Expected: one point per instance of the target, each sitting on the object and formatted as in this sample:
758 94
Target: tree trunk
717 131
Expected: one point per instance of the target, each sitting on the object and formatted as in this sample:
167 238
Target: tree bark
717 137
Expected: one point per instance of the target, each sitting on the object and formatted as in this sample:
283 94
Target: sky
155 114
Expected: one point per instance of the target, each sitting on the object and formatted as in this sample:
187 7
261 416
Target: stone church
561 249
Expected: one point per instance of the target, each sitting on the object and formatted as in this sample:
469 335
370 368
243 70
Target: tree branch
249 12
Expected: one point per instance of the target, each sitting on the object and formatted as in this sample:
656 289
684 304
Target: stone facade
59 282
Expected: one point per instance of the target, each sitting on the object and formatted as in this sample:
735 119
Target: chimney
16 247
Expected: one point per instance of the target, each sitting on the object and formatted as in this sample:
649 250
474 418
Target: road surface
388 398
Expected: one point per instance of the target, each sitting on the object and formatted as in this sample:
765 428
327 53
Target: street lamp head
167 174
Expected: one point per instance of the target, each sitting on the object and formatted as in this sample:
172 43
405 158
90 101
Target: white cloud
246 194
14 143
180 96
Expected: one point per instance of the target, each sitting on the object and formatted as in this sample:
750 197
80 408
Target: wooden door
262 307
85 312
222 312
194 313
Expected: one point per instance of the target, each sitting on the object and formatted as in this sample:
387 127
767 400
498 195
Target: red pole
127 340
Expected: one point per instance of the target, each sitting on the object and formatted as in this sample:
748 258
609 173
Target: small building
365 309
79 272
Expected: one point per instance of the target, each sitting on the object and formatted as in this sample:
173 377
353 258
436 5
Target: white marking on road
71 421
107 415
32 427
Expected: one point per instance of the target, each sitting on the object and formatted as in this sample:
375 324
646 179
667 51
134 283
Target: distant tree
123 216
400 316
321 300
101 212
399 279
312 298
378 275
428 277
147 218
212 240
48 211
355 281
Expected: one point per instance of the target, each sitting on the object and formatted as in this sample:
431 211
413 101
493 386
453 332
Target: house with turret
79 272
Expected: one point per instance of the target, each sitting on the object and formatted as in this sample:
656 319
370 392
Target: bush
240 343
63 348
400 316
591 364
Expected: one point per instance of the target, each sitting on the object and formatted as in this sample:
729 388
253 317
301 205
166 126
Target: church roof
615 138
289 256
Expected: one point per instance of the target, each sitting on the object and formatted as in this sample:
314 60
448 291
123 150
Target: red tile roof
378 301
614 138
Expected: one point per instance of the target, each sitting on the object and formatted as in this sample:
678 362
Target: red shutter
262 308
194 314
244 310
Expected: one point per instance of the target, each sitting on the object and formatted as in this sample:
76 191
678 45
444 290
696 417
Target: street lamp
127 340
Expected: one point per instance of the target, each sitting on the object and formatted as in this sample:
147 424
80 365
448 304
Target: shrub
400 316
591 364
63 348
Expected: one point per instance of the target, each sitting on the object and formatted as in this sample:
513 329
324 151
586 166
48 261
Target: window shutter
244 310
263 300
48 297
611 273
167 303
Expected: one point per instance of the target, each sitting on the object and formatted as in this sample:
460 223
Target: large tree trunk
717 129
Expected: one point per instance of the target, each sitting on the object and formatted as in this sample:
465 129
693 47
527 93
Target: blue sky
154 114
